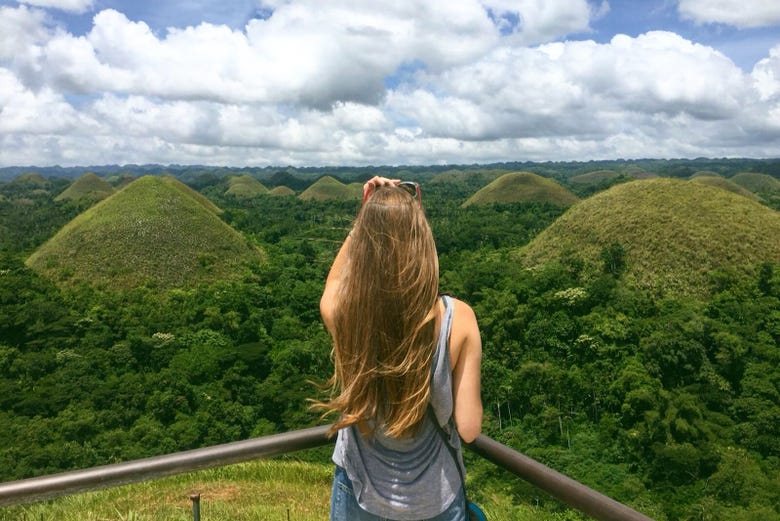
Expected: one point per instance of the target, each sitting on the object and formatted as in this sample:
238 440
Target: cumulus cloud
739 13
345 82
578 88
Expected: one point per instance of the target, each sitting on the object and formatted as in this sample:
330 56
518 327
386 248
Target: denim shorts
344 506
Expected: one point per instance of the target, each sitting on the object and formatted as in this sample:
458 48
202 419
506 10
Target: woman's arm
466 387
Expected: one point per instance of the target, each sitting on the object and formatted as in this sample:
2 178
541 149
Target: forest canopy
666 401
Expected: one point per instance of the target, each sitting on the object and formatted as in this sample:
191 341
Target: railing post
195 507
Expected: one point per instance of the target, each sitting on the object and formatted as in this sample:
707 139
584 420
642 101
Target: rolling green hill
674 233
88 188
327 187
155 229
245 187
724 184
519 187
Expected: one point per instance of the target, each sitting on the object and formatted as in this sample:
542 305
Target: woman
405 360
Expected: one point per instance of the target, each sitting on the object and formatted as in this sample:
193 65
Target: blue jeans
344 506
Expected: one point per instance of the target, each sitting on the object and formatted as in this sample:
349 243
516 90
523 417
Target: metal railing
559 486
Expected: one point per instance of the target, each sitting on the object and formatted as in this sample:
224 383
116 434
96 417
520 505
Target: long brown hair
385 318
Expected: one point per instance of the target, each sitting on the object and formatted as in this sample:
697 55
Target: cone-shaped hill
245 187
522 187
724 184
673 233
281 191
155 230
327 187
89 188
30 179
766 187
757 183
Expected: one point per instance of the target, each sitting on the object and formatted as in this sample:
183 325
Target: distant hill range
522 187
673 233
327 187
156 230
89 188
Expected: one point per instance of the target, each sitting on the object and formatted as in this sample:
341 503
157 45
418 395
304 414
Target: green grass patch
263 489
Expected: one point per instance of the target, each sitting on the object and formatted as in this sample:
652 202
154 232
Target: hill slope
517 187
155 229
88 188
673 232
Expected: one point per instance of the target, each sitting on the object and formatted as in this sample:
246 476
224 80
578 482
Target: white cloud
739 13
309 85
766 75
76 6
26 111
578 89
537 21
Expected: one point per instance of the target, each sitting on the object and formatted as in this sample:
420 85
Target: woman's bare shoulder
464 332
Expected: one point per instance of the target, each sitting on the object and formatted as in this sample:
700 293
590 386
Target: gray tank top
410 478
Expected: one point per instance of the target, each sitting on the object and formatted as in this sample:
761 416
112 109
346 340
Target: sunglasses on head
409 187
412 188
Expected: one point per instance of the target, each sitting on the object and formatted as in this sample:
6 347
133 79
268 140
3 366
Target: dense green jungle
668 403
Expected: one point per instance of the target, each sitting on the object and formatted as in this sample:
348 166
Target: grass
155 229
259 490
674 232
519 187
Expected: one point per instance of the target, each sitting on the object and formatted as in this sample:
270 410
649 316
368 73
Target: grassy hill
724 184
89 188
327 187
245 187
518 187
282 191
757 183
155 229
31 178
674 233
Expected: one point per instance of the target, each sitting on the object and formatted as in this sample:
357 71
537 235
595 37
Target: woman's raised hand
377 182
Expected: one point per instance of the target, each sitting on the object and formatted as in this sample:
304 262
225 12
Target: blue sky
345 82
